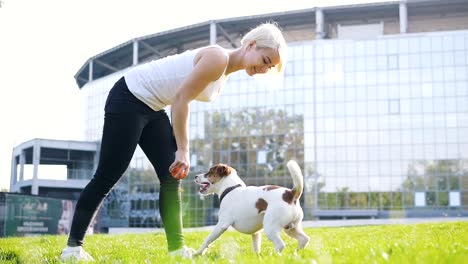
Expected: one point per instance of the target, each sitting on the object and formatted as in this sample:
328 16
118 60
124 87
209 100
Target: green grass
418 243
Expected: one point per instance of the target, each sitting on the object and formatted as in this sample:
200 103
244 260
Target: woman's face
260 60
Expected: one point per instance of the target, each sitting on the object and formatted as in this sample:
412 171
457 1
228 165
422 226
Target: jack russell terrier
249 209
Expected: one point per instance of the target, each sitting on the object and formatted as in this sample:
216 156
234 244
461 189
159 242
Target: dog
251 209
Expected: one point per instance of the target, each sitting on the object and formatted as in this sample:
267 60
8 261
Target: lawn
417 243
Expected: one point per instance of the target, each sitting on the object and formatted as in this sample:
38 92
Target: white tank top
156 83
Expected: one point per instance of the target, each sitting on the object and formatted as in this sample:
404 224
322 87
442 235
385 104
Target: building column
22 161
14 173
213 34
36 159
403 17
319 24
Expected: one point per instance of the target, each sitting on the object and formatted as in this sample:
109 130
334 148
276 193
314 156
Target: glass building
376 115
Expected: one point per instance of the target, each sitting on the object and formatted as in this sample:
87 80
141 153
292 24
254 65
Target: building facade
373 105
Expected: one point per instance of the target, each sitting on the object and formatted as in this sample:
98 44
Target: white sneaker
184 252
75 253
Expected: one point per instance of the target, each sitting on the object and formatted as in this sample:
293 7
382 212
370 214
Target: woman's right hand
180 168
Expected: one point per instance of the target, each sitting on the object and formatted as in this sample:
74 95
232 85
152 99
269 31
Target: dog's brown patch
271 187
221 170
261 205
288 196
217 172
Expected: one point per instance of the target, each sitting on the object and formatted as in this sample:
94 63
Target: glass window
350 125
350 93
384 138
428 121
393 91
403 45
426 90
415 76
394 106
451 106
448 58
349 64
448 42
415 60
308 51
392 46
426 60
418 151
404 76
372 108
436 43
450 89
405 91
371 63
459 42
349 79
405 106
417 120
437 74
382 92
298 67
406 140
349 49
426 75
414 46
382 77
460 74
360 63
373 123
381 46
371 78
339 50
350 108
298 52
308 66
329 94
360 48
437 59
361 109
392 61
371 47
318 51
328 51
289 69
371 92
462 104
381 63
318 66
360 79
425 44
340 94
439 105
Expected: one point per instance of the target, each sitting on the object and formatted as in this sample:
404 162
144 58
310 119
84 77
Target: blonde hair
268 35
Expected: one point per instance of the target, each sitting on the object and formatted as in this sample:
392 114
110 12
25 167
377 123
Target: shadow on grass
8 257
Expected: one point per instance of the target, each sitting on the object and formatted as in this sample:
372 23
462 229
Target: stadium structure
373 105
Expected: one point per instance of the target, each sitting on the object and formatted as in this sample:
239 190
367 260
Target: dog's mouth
204 186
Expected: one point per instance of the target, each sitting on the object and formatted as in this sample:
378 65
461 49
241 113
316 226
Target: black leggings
129 122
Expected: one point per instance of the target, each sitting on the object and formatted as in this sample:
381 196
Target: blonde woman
135 115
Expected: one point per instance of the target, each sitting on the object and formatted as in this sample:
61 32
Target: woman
135 115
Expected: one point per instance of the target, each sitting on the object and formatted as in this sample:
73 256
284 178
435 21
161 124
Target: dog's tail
298 179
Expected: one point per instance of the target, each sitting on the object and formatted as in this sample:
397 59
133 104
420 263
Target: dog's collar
227 191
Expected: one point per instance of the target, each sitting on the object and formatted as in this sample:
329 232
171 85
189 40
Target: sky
44 43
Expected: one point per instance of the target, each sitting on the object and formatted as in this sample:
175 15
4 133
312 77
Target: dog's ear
223 170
